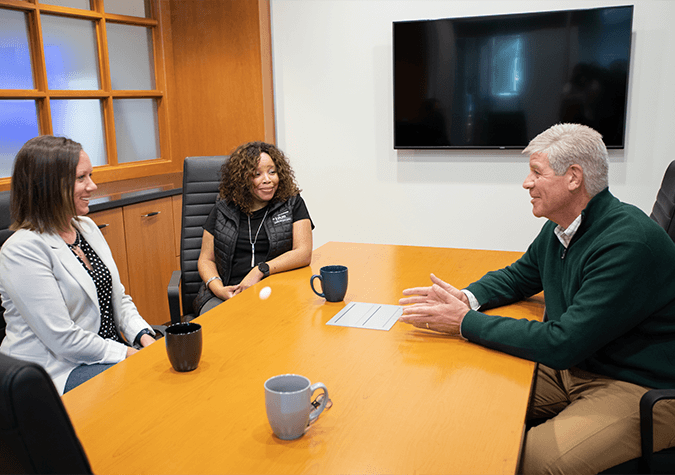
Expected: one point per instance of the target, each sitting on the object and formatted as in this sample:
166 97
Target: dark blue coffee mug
184 345
333 282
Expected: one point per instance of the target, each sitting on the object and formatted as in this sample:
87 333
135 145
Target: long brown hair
43 180
237 175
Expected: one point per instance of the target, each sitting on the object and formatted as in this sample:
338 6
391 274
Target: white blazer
51 304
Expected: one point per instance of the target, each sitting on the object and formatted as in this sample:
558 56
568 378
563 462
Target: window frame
112 171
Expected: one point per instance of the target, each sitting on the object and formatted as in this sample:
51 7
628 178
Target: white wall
333 94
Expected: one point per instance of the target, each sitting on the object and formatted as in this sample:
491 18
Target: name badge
283 217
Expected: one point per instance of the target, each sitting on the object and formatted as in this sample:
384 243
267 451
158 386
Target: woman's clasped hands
226 292
440 307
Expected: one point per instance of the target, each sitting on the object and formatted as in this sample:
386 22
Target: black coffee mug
184 345
333 282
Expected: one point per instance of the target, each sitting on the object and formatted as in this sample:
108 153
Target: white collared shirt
565 235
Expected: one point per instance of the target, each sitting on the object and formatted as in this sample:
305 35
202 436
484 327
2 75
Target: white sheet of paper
367 315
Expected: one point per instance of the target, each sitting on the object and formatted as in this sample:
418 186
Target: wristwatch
264 268
137 340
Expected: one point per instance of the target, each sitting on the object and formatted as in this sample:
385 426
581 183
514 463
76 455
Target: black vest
278 226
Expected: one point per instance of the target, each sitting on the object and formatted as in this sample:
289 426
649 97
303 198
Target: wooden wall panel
219 99
267 68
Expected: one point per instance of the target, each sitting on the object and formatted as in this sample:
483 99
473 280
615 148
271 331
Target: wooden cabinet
111 224
145 242
151 256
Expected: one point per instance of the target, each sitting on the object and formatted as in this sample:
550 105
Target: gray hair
569 144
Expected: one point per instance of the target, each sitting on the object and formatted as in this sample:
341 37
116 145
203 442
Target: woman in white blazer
65 306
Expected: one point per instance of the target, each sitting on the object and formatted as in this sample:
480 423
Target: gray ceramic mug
288 400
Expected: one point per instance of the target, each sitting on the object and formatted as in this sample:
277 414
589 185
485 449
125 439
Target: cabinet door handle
154 213
101 226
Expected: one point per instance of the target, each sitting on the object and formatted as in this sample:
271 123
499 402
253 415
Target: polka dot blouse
103 281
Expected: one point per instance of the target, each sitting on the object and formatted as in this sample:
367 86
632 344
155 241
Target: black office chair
36 435
664 207
5 233
201 178
663 213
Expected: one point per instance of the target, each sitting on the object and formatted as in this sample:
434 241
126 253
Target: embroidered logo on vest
283 217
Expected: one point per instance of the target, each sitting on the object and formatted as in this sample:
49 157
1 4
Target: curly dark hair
237 175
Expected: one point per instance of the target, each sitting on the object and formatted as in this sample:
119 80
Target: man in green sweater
608 275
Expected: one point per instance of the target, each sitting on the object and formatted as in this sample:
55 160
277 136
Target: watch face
264 268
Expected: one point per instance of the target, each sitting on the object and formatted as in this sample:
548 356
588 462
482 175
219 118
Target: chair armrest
160 331
173 291
647 402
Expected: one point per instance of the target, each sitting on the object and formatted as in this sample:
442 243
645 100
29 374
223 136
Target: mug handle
311 283
315 412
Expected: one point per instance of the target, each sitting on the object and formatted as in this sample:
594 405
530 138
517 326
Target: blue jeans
84 373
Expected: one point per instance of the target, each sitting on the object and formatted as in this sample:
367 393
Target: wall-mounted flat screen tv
498 81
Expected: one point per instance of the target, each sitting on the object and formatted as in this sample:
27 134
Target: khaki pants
594 425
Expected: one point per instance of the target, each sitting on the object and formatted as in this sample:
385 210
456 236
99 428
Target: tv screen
498 81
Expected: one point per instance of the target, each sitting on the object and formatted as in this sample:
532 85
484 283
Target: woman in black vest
258 226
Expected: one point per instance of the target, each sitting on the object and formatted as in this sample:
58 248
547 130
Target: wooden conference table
404 400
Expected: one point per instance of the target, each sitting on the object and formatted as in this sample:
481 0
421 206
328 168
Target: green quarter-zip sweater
610 298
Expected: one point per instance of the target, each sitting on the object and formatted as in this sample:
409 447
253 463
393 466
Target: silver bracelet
211 280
